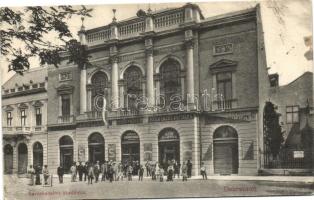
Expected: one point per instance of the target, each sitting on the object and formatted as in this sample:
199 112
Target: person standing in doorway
189 168
60 173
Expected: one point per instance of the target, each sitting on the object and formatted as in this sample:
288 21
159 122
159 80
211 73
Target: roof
307 76
33 75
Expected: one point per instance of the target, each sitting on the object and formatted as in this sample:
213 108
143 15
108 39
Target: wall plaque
223 49
112 152
81 153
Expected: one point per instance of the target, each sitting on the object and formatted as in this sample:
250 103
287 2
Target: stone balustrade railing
133 29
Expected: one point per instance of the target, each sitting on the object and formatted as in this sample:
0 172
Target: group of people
34 174
115 171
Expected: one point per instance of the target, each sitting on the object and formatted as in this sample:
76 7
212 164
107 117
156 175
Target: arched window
133 86
38 154
66 152
99 84
170 83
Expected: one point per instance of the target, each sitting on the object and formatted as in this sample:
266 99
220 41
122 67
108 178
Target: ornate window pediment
223 65
65 89
38 104
23 106
8 108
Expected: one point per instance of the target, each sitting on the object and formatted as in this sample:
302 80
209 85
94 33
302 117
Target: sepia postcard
157 100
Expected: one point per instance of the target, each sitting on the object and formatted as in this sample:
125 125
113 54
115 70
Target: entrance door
38 155
168 146
130 147
22 158
8 159
96 148
66 152
226 157
66 158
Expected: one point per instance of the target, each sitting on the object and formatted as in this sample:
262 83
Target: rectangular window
65 105
9 119
20 89
12 90
38 117
292 113
35 86
23 117
224 85
26 87
41 85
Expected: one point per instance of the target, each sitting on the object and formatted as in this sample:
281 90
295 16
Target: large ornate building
202 84
169 53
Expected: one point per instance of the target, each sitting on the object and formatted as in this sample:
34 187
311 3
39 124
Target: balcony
65 119
94 115
224 105
14 130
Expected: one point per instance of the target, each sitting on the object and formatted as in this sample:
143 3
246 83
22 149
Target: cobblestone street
150 189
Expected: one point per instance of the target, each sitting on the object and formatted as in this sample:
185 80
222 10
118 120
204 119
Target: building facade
202 81
177 86
24 121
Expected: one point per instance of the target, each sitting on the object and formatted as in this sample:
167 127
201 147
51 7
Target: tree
272 130
30 27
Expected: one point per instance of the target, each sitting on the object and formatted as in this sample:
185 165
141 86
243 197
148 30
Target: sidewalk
303 179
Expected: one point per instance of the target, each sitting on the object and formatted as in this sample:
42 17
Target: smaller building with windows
24 119
294 103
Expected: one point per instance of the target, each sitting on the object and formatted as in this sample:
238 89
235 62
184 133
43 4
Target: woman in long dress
31 173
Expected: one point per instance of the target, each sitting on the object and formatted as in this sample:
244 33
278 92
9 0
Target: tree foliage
272 130
30 27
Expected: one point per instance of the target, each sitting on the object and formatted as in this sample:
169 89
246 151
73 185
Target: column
150 77
190 72
89 98
83 91
114 82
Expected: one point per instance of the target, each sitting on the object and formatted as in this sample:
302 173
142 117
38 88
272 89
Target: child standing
161 174
203 171
130 171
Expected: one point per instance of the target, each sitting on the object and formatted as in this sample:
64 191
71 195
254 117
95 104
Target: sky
284 30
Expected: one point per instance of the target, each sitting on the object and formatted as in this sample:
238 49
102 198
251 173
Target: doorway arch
38 153
96 147
130 147
8 159
22 158
66 152
226 153
168 146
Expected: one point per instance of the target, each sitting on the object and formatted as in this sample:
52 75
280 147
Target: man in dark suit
80 171
60 173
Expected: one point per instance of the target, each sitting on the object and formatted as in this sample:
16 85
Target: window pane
289 109
228 93
289 117
296 117
65 105
295 108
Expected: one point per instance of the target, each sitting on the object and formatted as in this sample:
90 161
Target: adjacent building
24 120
